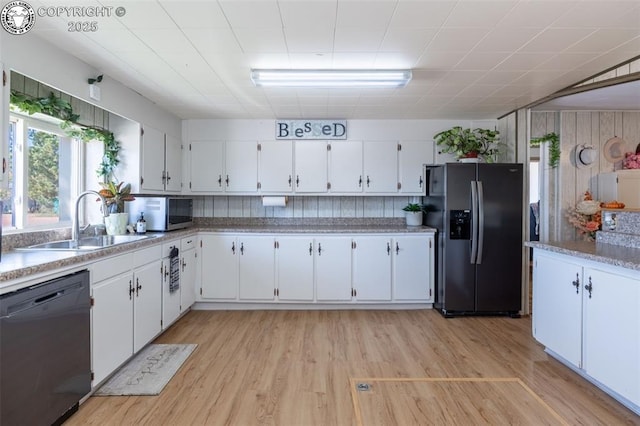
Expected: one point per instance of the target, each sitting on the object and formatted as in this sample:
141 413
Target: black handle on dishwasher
47 297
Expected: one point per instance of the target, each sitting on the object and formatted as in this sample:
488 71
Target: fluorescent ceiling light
330 78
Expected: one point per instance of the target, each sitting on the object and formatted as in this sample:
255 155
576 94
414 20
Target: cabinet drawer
188 243
166 247
111 267
146 255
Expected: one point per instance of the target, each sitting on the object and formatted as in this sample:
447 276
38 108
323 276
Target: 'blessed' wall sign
311 129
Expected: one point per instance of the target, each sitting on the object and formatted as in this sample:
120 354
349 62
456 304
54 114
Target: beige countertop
610 254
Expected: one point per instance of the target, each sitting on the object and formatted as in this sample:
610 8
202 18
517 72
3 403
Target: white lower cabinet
112 328
256 278
170 299
372 268
188 273
557 306
589 314
219 267
295 268
413 263
316 268
147 306
333 268
126 313
611 323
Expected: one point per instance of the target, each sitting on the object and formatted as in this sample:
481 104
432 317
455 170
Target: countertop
610 254
17 264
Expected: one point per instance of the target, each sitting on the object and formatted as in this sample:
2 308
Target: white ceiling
471 59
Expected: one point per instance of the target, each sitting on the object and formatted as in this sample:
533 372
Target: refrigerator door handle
480 222
474 221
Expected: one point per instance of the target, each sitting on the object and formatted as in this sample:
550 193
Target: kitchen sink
87 243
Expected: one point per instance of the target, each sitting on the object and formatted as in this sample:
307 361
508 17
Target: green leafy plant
115 194
111 145
412 207
482 143
51 105
554 147
60 108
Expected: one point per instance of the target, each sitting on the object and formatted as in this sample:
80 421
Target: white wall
35 58
356 129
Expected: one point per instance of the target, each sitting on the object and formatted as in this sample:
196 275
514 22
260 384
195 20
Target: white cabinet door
152 159
170 300
257 267
188 272
206 160
413 155
112 325
276 166
311 166
241 162
219 267
173 164
381 166
413 263
372 268
557 305
147 309
295 268
345 166
612 331
333 268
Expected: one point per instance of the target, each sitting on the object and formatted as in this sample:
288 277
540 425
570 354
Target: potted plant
413 214
467 143
115 195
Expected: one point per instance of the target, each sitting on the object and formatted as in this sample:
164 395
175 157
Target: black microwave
161 213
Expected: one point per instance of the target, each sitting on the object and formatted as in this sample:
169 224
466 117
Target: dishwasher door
45 351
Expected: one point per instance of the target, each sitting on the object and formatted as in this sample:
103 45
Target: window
43 176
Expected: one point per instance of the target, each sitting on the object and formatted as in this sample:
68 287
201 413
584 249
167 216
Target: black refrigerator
477 210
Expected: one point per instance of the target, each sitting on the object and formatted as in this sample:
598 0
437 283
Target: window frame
20 168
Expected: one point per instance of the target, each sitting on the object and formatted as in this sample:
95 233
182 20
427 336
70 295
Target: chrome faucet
75 229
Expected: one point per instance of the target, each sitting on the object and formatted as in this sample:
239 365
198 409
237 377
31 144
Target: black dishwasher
45 351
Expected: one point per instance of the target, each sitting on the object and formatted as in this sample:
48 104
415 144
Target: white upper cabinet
173 164
161 162
241 162
381 166
152 172
412 156
206 160
345 166
311 166
276 166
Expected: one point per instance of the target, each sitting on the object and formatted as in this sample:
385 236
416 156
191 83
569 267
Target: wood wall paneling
580 127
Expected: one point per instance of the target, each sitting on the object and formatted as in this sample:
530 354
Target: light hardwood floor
295 367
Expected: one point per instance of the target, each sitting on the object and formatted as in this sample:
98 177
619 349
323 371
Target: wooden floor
297 368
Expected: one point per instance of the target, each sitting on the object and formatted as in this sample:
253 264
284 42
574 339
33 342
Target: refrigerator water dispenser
459 224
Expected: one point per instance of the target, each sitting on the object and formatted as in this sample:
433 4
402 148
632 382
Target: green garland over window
61 109
554 147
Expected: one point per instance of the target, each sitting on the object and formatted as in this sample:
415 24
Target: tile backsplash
302 207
